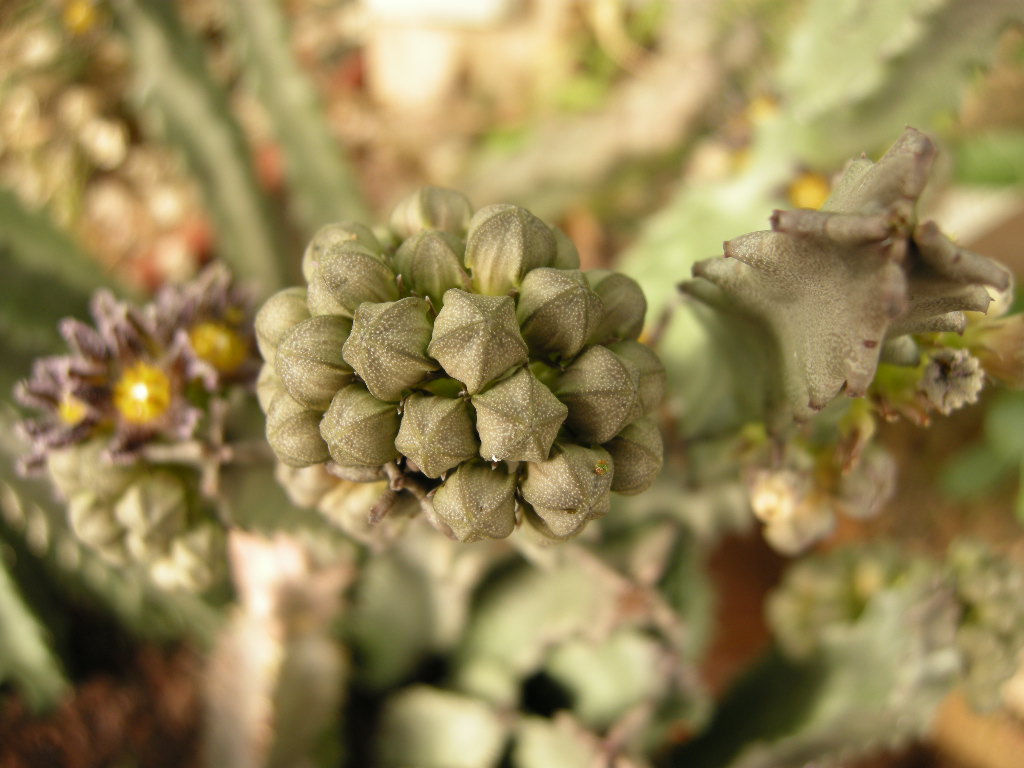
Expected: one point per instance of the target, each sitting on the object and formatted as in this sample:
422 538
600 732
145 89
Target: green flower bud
436 433
153 511
624 306
194 562
518 419
347 276
476 338
600 390
360 430
566 255
951 379
651 381
534 530
86 467
267 386
638 454
92 520
305 486
309 362
293 432
430 263
388 346
432 208
504 243
281 312
333 236
557 311
478 502
354 474
570 488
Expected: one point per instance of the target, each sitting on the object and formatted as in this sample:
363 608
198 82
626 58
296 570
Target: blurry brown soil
146 716
744 570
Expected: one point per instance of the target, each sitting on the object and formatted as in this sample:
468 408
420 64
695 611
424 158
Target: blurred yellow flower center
142 394
809 190
71 410
762 109
218 344
80 16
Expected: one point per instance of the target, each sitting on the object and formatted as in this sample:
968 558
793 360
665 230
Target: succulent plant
835 288
121 418
991 627
471 360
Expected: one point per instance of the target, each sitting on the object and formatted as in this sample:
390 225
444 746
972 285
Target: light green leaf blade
25 653
193 113
323 185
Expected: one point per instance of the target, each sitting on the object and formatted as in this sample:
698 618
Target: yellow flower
142 394
218 344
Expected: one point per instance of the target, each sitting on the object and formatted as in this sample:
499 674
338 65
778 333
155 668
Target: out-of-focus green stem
322 185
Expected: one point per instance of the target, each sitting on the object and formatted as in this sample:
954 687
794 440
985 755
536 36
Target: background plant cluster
142 140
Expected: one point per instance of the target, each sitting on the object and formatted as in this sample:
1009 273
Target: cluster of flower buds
136 384
840 289
801 492
469 353
819 594
970 606
991 628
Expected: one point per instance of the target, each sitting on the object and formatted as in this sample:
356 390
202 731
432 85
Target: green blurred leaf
391 622
1019 506
193 113
1004 425
975 471
608 678
323 186
993 158
25 653
560 741
431 728
47 277
31 513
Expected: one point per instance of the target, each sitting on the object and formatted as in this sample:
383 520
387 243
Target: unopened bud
87 467
293 432
624 306
638 454
153 512
309 361
518 419
333 236
477 502
267 386
570 488
476 338
195 561
600 390
436 433
557 311
430 263
92 519
281 312
347 276
651 379
504 243
360 430
432 208
388 346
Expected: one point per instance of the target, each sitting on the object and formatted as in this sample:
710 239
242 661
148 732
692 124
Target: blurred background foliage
141 139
